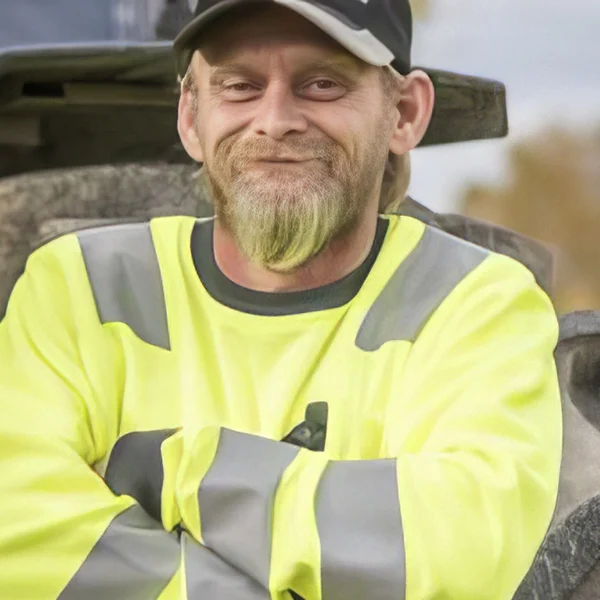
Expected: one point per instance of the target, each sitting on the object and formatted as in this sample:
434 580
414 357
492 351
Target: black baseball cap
380 33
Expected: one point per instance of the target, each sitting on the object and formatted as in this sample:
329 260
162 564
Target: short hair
396 176
389 79
188 82
396 179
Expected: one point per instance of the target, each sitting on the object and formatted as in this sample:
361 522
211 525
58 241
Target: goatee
282 215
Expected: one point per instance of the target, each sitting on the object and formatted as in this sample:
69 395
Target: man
300 398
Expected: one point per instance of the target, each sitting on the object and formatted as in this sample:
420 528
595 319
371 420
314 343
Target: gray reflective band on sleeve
135 468
360 529
123 270
236 500
208 577
418 287
134 559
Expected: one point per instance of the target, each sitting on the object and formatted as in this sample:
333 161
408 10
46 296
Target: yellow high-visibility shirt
144 399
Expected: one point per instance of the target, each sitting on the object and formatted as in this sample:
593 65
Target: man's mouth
282 159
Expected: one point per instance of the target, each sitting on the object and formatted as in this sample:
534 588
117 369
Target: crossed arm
457 507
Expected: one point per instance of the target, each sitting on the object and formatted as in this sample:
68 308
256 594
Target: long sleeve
462 496
63 533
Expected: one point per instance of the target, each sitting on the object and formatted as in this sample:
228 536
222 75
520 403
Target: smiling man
289 126
303 397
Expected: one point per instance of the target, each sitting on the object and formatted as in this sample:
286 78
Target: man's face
294 133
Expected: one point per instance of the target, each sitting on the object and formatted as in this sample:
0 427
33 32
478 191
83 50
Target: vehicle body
88 136
112 106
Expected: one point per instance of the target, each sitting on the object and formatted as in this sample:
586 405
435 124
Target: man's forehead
302 63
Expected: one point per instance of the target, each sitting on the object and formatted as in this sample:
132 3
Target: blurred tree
553 195
420 8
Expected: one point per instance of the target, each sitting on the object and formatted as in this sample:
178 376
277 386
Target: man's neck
342 256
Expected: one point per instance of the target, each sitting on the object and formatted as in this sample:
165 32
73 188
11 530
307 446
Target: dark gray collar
231 294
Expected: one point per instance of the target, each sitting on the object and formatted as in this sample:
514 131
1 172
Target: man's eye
239 87
324 84
238 92
324 89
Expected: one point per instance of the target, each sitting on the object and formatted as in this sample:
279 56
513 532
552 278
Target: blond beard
283 218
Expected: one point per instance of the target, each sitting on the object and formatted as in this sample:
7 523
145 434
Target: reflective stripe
360 529
417 288
209 577
134 559
123 270
236 500
135 468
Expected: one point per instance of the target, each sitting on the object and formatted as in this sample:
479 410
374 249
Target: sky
547 52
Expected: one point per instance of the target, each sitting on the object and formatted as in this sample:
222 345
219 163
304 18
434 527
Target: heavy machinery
88 137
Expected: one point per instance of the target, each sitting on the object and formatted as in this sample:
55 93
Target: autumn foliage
553 194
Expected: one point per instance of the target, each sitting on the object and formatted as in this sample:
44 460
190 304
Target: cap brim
466 108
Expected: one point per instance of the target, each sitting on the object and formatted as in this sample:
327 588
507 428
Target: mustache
246 151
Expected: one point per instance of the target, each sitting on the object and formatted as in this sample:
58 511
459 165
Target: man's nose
279 113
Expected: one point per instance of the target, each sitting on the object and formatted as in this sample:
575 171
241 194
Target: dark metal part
311 433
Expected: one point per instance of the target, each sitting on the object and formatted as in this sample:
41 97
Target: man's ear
187 124
416 98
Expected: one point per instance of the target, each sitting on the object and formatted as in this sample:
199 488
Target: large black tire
568 564
35 206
